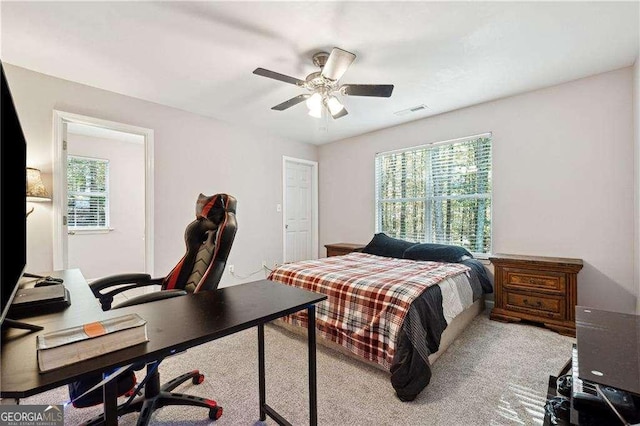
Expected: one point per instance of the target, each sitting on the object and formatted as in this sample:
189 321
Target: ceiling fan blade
340 113
277 76
337 64
378 90
291 102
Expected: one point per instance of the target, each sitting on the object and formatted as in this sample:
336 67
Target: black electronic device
13 203
586 394
47 281
564 385
48 278
42 280
39 300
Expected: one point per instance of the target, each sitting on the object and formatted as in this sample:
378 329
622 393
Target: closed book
63 347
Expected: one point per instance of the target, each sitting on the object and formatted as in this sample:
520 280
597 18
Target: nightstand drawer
535 304
337 251
546 281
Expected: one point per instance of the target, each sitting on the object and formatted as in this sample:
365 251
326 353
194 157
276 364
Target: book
63 347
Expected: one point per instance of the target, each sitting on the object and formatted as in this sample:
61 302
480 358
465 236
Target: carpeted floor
494 374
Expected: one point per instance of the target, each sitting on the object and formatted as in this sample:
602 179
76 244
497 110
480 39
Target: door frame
314 204
60 236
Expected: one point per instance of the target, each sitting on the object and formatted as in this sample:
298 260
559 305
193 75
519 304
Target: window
87 193
439 193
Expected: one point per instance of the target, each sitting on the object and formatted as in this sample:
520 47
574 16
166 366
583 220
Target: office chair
208 239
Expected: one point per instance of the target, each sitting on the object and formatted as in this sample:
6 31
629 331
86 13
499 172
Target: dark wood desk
209 316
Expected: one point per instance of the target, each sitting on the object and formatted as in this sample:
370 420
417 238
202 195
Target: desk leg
313 394
261 378
110 398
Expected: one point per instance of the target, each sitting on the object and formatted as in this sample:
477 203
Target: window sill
483 258
90 231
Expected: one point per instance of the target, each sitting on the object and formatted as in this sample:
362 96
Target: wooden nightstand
339 249
537 289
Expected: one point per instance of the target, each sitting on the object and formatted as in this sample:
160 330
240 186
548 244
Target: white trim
87 231
59 192
60 236
314 204
432 144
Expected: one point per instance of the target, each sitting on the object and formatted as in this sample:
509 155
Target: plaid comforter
369 297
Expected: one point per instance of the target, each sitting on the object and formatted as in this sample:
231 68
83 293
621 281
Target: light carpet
493 374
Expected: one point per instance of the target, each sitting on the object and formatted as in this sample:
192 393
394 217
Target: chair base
156 396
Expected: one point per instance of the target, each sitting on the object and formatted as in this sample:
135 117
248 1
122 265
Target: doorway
300 211
103 196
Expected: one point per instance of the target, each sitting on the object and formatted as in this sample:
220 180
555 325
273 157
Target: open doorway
103 196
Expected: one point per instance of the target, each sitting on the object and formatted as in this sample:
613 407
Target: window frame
427 211
106 194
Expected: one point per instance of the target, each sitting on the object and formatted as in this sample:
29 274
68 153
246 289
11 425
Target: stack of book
63 347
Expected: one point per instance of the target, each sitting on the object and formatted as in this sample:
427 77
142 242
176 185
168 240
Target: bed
388 311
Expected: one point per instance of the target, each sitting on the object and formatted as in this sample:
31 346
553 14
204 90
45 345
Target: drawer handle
537 304
533 281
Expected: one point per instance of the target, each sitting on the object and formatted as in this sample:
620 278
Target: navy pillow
437 253
384 245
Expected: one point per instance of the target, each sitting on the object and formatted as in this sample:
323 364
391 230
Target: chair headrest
215 206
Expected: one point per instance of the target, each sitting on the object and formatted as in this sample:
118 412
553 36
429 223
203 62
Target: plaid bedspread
369 297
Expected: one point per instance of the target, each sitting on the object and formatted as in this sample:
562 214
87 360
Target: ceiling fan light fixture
334 105
323 85
314 103
317 113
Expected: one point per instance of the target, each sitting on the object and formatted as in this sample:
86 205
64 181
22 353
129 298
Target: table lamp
35 188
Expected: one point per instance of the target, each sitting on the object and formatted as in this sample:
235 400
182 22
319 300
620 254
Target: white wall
193 154
122 249
562 172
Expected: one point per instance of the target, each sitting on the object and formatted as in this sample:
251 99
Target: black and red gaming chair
208 239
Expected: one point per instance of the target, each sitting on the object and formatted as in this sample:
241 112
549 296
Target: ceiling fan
323 85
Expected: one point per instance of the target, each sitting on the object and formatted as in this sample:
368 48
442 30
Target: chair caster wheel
215 413
198 379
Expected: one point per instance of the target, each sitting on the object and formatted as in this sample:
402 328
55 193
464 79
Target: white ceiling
199 56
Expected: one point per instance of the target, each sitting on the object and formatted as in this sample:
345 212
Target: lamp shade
334 105
314 103
35 188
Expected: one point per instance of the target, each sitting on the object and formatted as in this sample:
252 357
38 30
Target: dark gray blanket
421 332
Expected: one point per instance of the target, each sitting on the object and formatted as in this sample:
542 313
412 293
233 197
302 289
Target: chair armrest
122 283
102 283
151 297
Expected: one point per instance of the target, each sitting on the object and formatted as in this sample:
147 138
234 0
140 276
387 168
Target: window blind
87 193
438 193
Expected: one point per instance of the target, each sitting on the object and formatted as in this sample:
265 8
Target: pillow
384 245
437 253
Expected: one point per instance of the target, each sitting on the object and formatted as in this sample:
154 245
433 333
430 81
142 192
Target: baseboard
489 304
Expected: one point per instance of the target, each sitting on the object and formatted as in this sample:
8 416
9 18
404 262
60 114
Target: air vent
411 110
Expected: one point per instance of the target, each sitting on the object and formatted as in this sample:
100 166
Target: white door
300 210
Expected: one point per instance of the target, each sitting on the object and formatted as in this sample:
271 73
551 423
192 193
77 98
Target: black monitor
13 204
